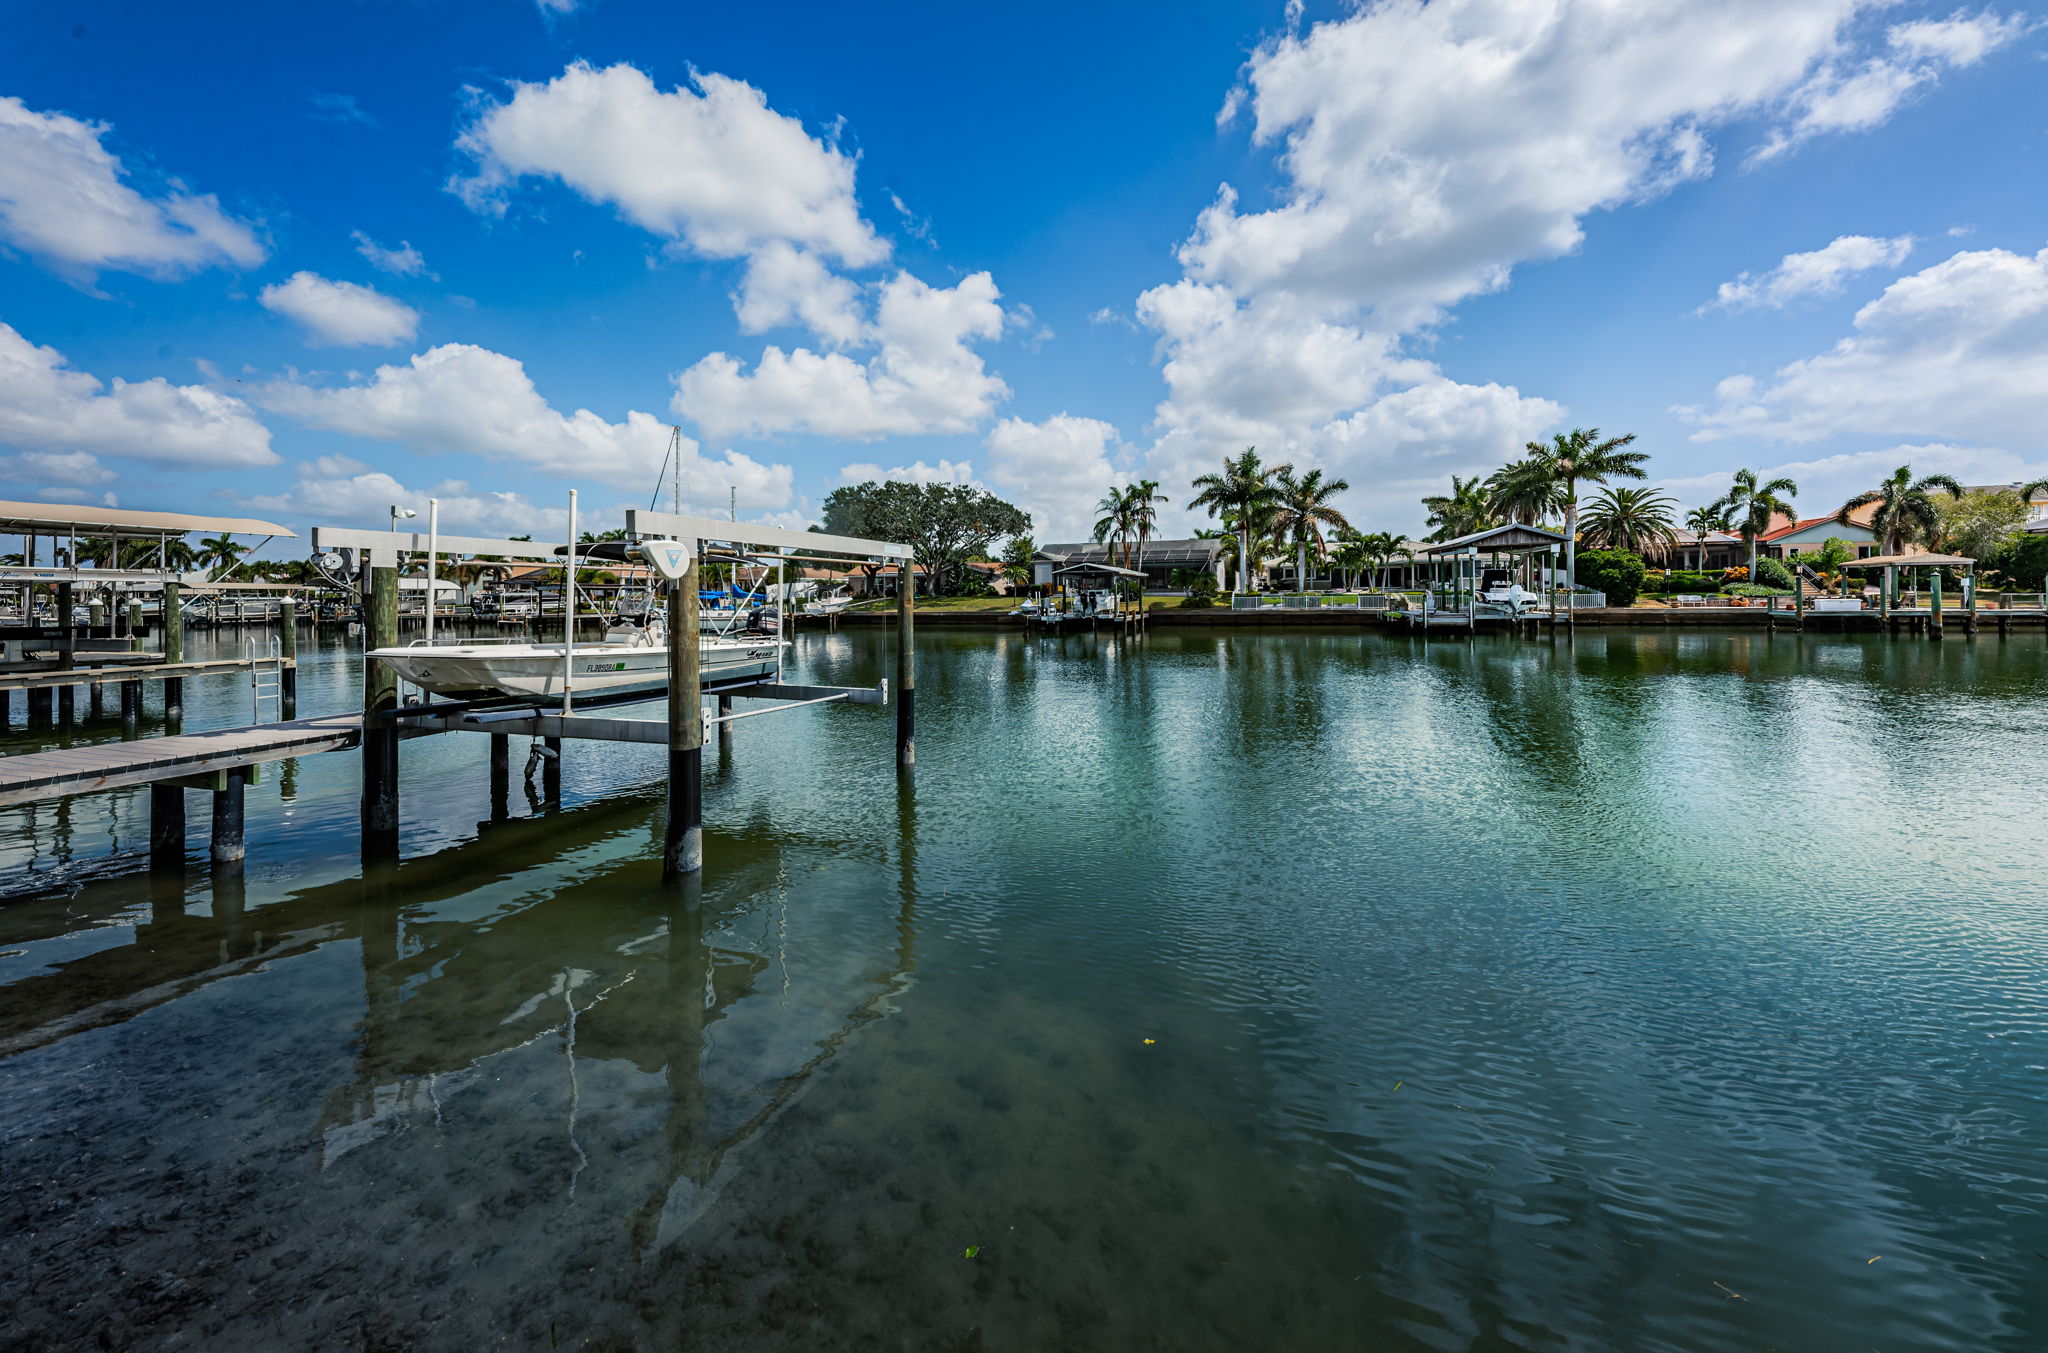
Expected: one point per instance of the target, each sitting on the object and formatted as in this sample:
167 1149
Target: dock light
399 514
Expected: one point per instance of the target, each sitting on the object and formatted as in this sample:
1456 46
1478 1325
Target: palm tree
1905 513
1304 510
1700 521
1526 490
220 550
1750 505
1138 500
1242 496
1349 554
1465 509
1115 522
1581 455
1636 520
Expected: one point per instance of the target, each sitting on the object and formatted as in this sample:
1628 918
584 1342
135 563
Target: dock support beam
1934 603
380 735
131 703
501 776
174 651
682 845
551 772
166 829
288 648
906 667
41 701
228 849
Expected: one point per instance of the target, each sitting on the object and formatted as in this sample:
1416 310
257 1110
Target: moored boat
624 659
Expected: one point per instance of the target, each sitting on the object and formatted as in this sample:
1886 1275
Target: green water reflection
1218 991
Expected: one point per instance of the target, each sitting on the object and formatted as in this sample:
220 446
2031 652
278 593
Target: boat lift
674 546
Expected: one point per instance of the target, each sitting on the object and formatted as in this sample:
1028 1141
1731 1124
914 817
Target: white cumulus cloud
917 472
924 376
341 314
1958 350
63 202
1057 470
1848 95
462 398
786 285
711 165
1818 272
48 408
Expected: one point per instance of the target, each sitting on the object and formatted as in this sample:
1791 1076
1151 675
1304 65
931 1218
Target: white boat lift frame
385 721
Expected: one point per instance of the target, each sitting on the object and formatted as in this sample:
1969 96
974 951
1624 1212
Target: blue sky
307 261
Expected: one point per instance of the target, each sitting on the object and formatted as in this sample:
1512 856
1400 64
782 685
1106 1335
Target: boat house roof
1199 552
1514 536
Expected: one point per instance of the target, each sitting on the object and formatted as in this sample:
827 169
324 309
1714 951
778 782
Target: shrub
1753 590
1773 573
1201 591
1683 581
1618 573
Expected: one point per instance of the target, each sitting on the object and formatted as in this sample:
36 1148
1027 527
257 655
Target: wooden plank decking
34 776
13 678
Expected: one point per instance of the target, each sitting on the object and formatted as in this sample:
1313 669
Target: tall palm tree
1139 499
1749 505
221 551
1242 496
1114 524
1905 511
1304 510
1465 509
1636 520
1700 521
1581 456
1526 490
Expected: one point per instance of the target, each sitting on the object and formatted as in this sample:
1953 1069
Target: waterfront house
1789 539
1162 561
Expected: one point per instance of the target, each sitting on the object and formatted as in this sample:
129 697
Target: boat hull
479 670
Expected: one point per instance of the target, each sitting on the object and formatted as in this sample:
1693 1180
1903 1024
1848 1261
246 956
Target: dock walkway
34 776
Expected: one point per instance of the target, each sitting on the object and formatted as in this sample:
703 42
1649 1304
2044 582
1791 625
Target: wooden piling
131 703
380 735
682 846
501 776
174 651
2004 612
166 828
1934 604
906 667
228 847
551 771
288 649
67 633
135 626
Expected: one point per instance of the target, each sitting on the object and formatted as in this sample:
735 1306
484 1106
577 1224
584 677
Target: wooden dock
34 776
121 667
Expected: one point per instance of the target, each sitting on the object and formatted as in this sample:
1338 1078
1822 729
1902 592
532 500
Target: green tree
945 525
1976 524
1827 561
1526 490
1465 509
1906 513
1749 505
1580 456
1243 497
1303 503
1016 559
1636 520
1618 573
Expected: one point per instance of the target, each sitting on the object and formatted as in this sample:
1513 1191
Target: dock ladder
266 681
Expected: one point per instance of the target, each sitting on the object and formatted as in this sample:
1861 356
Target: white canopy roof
45 519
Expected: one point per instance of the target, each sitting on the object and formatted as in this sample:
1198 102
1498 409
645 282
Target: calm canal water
1264 990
